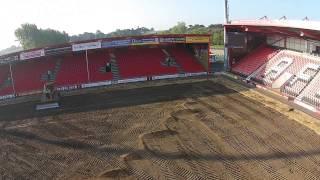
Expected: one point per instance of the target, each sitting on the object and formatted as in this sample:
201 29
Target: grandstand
97 72
186 60
103 62
30 76
72 70
149 61
281 55
254 60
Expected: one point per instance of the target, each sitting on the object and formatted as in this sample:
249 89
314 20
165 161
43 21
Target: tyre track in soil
241 104
280 144
80 145
207 145
170 169
248 151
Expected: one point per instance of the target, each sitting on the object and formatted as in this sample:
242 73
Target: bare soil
203 129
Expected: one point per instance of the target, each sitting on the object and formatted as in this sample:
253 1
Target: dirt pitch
188 130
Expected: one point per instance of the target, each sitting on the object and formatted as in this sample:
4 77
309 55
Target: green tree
119 32
27 35
180 28
30 36
100 34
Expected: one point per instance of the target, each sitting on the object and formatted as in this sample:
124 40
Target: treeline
215 29
10 49
30 36
124 32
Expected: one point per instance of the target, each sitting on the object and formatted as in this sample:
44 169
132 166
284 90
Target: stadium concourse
279 55
103 62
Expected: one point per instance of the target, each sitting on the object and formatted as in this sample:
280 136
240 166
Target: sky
78 16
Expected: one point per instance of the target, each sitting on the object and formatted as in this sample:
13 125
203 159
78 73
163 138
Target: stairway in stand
174 62
114 67
56 70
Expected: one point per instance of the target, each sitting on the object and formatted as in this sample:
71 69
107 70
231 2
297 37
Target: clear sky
78 16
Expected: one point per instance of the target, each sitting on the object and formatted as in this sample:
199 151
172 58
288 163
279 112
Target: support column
226 21
226 55
12 80
209 65
87 61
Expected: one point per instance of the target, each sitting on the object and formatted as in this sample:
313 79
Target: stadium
153 106
104 62
281 55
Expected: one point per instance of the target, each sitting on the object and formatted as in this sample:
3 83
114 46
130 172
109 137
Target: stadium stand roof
297 28
148 36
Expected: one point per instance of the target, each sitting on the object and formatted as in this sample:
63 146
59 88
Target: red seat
143 62
73 70
27 75
254 60
98 60
186 60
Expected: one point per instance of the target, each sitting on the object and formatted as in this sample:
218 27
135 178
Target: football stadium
152 107
104 62
281 55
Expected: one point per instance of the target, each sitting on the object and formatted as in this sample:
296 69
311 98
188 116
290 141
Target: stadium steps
302 80
174 62
256 72
114 67
5 84
5 81
56 70
4 76
165 52
311 92
179 68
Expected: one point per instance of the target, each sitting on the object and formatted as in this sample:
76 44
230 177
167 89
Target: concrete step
5 84
166 52
56 69
114 67
174 62
45 106
44 77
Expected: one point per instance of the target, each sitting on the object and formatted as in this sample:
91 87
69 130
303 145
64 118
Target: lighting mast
227 21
